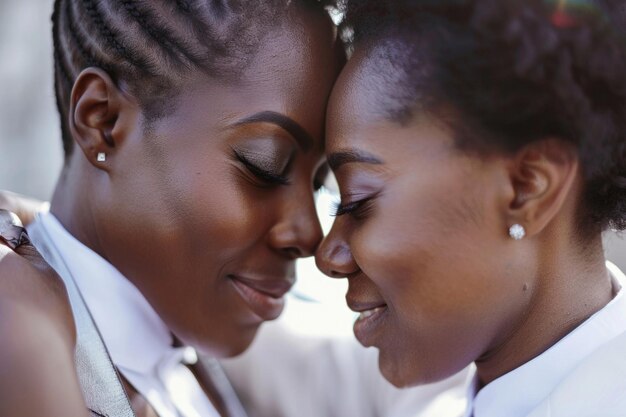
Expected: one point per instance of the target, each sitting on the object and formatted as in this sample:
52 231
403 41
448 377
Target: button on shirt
138 341
517 393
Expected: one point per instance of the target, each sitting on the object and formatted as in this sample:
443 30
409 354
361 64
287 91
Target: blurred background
30 138
30 143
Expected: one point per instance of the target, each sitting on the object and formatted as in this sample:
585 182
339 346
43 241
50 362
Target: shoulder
32 291
37 339
34 311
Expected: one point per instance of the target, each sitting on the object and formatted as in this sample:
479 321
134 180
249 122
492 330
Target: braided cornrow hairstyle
152 44
515 71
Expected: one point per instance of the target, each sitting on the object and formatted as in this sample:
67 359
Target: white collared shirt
519 392
138 341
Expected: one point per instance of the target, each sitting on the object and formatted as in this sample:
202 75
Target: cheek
215 209
417 236
437 228
187 218
430 252
214 227
221 214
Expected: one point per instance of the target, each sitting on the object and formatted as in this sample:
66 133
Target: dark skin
34 308
220 189
424 241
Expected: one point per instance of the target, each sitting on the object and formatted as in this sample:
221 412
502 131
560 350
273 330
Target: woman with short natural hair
480 151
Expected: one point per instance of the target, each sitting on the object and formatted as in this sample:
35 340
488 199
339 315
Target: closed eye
357 209
271 178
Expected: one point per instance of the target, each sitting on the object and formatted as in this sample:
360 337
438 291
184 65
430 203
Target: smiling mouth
265 297
368 325
371 312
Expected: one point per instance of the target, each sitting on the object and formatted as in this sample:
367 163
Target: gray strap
101 385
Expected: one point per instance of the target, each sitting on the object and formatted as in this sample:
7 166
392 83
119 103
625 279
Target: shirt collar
132 331
519 391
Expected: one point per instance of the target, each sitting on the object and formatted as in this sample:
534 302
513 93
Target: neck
71 205
569 288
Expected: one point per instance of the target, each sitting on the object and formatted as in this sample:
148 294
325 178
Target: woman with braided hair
193 139
480 151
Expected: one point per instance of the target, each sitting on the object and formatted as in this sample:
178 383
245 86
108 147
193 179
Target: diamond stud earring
102 157
517 232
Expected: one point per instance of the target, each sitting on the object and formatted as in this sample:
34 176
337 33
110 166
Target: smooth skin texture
422 233
37 351
221 186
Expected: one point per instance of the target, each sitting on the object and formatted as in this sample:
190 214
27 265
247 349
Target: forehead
367 99
291 73
300 54
370 91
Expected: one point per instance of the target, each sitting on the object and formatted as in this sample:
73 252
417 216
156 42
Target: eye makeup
358 209
262 169
265 156
360 188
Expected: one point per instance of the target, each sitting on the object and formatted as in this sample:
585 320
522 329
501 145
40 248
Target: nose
298 232
334 256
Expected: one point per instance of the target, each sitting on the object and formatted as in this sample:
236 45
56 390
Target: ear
542 175
100 114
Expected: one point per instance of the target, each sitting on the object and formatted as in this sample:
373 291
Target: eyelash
357 209
263 175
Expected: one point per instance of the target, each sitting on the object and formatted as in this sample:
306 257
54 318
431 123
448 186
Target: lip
264 296
368 326
359 306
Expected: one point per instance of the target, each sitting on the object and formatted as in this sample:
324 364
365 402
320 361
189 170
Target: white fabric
549 384
139 343
596 388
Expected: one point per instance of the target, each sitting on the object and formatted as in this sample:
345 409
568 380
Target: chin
391 369
394 377
403 373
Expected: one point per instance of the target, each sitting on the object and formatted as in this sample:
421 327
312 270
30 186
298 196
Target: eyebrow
337 159
304 139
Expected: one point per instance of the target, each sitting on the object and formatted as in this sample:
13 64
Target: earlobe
95 111
542 176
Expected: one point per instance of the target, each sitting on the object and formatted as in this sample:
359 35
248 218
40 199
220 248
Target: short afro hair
514 72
